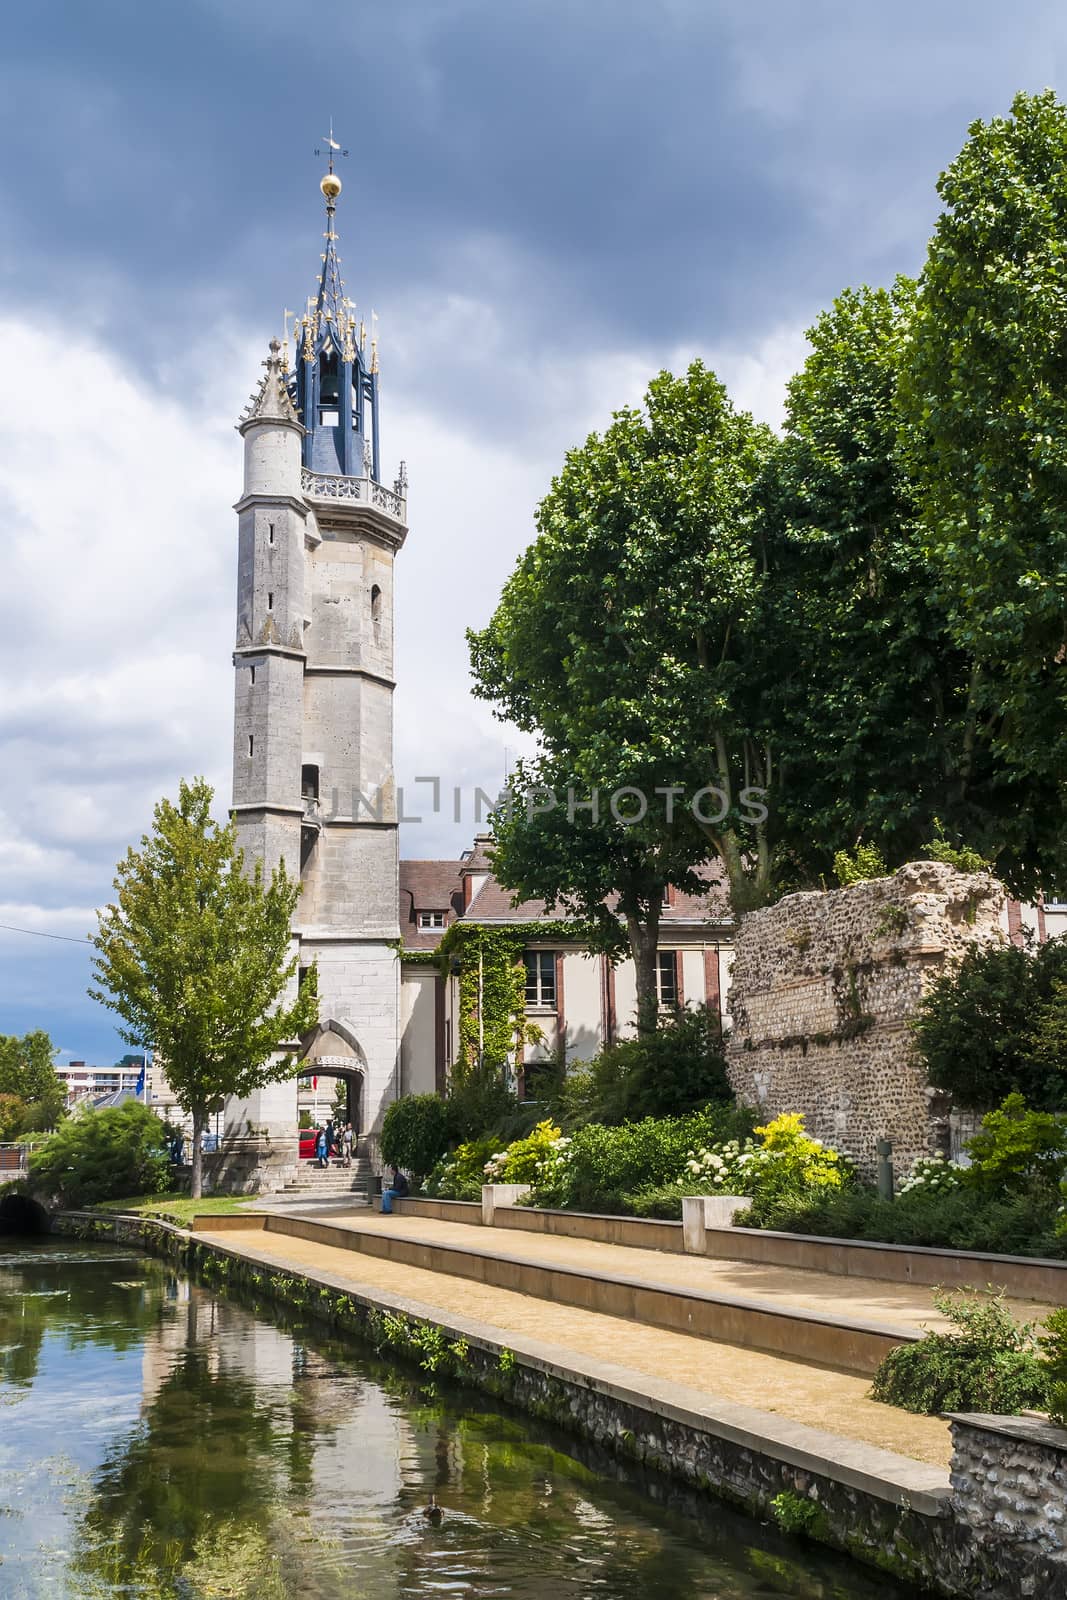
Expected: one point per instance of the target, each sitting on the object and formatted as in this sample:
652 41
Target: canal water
160 1439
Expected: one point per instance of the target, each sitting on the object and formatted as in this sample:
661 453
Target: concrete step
768 1322
331 1181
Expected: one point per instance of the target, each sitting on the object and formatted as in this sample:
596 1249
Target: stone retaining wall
823 989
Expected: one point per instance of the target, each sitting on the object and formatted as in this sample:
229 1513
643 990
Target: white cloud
118 569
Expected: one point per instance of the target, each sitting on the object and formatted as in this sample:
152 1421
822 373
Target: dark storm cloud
599 171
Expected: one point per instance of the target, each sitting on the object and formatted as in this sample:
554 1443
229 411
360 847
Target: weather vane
332 147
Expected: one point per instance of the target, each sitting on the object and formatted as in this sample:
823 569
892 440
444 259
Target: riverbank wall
914 1526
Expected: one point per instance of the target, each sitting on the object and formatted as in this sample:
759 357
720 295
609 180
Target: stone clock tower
313 724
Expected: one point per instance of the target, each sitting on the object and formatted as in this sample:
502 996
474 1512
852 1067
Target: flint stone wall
823 988
1009 1481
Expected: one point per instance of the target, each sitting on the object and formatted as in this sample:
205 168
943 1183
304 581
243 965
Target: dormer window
431 919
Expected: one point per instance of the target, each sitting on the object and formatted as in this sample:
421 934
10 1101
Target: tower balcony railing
332 486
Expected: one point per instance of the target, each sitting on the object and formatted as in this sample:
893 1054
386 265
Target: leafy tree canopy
620 641
28 1076
871 703
985 392
196 957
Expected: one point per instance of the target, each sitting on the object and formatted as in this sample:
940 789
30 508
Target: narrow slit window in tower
376 612
252 675
251 745
270 600
270 532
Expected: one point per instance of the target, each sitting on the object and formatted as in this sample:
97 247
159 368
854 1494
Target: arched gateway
332 1051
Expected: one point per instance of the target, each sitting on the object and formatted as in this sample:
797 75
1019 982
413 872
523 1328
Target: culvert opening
20 1214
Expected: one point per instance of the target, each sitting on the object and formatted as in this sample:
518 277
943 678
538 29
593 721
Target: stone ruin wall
823 988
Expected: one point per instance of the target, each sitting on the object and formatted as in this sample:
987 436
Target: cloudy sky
546 201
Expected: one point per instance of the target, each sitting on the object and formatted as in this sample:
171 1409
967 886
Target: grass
178 1208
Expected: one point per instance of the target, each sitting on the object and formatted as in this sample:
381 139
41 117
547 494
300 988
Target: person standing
331 1140
398 1188
346 1144
321 1148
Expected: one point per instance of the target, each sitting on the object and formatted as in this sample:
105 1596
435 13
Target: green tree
620 641
986 394
195 956
28 1074
607 878
869 701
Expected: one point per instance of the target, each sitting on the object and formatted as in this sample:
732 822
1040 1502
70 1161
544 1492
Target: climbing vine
489 962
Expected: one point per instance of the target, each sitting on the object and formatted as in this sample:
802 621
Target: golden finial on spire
331 183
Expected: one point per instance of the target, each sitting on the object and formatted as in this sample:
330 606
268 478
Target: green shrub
990 1364
934 1175
857 866
460 1176
1016 1147
668 1073
416 1133
662 1201
520 1162
601 1166
961 857
965 1219
104 1155
990 1027
782 1161
1054 1349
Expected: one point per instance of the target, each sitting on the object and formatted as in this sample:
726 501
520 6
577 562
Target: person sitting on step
398 1188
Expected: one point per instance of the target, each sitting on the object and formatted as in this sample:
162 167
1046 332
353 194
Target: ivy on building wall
488 964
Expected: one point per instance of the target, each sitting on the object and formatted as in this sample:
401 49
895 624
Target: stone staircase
332 1183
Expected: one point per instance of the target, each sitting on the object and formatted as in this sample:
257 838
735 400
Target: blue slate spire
336 385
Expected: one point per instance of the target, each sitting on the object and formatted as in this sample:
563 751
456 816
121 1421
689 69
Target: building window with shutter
540 979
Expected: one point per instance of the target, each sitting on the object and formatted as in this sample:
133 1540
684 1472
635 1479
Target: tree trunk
197 1181
644 945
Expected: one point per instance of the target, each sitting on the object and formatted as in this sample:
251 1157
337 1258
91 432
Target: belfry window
329 391
309 783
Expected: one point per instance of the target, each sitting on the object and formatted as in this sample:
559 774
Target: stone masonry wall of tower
313 710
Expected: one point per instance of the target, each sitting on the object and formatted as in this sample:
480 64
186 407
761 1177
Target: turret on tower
336 385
